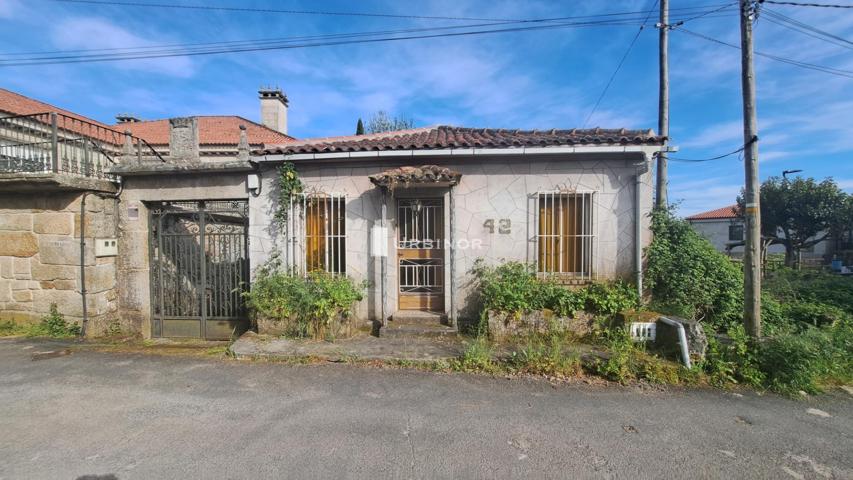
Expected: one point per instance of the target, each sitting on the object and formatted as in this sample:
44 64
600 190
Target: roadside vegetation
314 306
52 325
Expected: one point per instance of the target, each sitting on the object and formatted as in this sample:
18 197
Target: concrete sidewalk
365 347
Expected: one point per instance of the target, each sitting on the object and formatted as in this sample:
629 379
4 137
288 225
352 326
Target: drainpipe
83 249
452 259
383 261
642 168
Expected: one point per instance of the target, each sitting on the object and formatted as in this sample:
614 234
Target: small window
325 233
736 233
565 238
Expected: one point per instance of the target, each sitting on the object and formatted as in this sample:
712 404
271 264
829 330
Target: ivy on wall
289 184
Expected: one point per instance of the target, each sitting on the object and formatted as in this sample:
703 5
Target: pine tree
359 127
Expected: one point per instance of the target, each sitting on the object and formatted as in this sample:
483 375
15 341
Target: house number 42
504 225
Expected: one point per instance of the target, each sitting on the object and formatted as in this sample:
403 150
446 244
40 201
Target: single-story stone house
158 226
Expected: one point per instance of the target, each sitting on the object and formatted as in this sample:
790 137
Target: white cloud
720 135
95 33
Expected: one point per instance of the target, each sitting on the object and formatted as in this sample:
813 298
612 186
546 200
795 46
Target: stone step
417 316
421 329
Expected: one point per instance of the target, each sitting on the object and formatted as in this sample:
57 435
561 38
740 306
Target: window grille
317 223
565 236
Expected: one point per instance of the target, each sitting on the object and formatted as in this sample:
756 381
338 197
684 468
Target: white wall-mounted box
379 241
106 247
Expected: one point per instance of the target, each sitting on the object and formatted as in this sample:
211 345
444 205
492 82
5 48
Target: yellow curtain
315 238
560 230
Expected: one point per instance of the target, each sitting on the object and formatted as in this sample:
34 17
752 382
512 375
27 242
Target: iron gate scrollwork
199 268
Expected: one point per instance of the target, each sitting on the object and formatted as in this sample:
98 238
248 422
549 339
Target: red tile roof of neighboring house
442 137
718 214
212 130
18 104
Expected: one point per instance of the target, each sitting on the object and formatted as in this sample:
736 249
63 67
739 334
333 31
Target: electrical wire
798 4
619 65
718 157
319 12
796 63
806 29
288 43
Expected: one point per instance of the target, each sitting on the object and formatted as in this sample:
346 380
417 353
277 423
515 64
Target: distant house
724 228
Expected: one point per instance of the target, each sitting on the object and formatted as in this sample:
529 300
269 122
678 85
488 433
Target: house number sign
504 225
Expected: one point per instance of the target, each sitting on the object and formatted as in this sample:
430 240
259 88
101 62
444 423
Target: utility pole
663 103
752 254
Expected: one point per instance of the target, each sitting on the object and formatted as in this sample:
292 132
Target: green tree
382 122
359 127
799 213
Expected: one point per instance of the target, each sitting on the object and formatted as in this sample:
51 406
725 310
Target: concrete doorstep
366 347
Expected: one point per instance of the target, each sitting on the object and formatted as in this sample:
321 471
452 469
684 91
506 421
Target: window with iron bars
564 235
320 228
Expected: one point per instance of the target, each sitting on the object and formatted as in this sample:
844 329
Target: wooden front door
420 254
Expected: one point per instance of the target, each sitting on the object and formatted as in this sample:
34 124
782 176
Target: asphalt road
152 417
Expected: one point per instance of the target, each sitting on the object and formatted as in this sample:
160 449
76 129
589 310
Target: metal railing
316 225
565 235
52 142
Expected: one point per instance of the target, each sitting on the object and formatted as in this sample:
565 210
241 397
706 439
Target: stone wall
40 257
490 189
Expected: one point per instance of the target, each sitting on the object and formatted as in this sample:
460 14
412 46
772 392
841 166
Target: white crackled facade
492 213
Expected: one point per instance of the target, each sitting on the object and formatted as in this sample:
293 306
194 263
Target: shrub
513 287
809 360
628 361
477 357
688 277
545 355
308 305
54 325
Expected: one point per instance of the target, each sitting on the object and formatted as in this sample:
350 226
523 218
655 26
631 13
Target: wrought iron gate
199 268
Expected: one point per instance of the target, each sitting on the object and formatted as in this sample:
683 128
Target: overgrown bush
688 277
627 361
308 306
808 361
514 287
54 325
545 355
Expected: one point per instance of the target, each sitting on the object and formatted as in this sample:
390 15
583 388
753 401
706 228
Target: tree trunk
790 256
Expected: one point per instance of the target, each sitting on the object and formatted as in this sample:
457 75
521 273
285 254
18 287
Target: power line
314 12
806 29
288 43
796 63
798 4
718 157
626 18
619 65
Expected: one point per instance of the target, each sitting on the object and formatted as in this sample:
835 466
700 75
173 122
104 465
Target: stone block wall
40 258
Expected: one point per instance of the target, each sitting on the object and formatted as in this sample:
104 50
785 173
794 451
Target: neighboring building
56 168
178 215
724 228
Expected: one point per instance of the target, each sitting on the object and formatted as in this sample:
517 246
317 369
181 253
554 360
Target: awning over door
423 176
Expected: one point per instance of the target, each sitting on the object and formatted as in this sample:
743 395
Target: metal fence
56 143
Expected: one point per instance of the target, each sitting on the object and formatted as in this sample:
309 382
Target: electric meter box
106 247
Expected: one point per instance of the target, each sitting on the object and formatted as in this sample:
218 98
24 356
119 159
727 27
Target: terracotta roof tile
443 137
718 214
18 104
212 130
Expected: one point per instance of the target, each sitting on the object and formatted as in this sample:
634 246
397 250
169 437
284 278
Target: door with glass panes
420 254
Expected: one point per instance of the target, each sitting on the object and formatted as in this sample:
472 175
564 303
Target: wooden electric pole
663 103
752 211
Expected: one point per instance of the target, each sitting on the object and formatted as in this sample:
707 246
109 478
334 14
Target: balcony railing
56 143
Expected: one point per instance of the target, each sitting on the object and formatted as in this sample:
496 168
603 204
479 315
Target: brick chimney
183 138
273 108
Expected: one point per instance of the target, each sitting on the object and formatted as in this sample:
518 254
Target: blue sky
540 79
